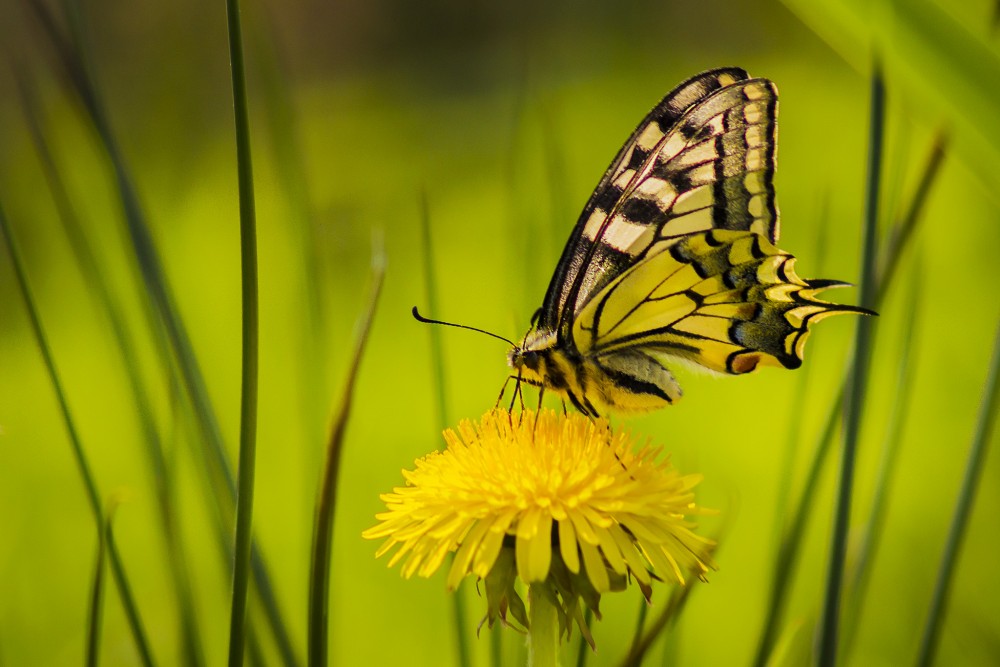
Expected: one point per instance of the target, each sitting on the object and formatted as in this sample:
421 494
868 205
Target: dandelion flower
554 500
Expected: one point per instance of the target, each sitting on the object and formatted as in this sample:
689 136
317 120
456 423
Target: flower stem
543 631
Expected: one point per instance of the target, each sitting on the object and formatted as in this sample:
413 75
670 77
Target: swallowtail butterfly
673 259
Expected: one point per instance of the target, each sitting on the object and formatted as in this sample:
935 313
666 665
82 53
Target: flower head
546 498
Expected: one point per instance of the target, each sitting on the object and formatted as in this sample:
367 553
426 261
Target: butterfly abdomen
628 381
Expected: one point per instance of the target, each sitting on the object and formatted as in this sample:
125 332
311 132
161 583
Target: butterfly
673 259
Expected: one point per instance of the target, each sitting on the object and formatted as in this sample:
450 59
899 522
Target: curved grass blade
326 497
854 399
963 507
670 613
97 587
83 464
250 351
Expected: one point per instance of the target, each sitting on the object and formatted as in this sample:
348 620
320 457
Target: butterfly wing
727 301
703 158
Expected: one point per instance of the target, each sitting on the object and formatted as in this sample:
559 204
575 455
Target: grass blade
97 594
250 370
857 384
83 464
963 507
97 588
322 548
871 536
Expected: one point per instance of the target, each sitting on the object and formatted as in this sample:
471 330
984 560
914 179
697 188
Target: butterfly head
529 358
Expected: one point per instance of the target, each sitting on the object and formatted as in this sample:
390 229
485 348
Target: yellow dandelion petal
466 553
487 553
662 562
568 547
631 553
596 571
610 550
583 528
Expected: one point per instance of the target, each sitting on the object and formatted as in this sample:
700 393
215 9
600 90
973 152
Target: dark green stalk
441 393
583 648
985 422
248 394
640 622
326 498
95 278
854 399
83 464
871 537
97 592
678 598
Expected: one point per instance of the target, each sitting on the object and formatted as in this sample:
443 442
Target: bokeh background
495 120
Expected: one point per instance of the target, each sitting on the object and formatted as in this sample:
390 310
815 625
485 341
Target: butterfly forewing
713 168
582 251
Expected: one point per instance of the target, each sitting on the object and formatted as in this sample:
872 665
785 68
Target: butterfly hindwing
726 301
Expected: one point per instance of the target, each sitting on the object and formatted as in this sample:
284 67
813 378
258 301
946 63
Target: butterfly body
673 259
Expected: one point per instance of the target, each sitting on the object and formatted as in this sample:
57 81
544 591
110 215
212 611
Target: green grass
471 139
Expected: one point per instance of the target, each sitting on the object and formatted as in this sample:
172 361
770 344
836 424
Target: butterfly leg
503 390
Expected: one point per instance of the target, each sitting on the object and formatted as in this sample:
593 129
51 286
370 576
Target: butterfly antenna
426 320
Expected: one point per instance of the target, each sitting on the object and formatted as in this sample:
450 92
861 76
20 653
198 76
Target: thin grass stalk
872 533
640 622
986 420
96 280
784 565
83 464
854 399
97 592
670 613
74 61
250 364
583 648
326 497
441 404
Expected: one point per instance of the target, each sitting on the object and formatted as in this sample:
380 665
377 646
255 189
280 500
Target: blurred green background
503 116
